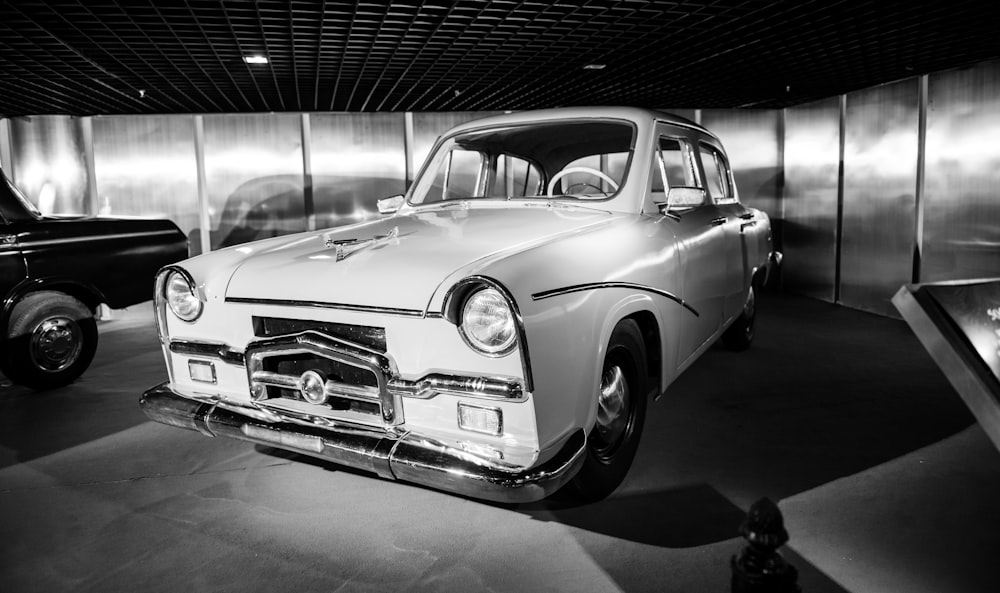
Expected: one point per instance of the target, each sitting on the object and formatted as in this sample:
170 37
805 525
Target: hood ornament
347 247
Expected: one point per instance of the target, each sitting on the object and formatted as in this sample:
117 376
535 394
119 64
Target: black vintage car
56 271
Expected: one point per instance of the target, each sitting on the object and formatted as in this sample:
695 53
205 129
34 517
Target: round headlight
181 297
488 323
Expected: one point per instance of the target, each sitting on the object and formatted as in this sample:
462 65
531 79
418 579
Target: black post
759 568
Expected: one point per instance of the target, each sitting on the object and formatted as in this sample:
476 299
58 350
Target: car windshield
30 207
585 160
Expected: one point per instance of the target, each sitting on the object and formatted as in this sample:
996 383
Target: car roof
637 115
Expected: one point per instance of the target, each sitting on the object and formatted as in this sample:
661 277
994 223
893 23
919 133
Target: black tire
612 443
739 335
52 338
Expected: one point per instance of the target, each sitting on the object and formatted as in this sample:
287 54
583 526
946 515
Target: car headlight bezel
181 295
488 323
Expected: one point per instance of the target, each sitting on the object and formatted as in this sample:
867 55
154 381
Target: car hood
399 262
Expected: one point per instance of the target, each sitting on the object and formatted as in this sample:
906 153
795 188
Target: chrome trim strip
223 352
322 305
90 238
522 340
404 456
496 388
545 294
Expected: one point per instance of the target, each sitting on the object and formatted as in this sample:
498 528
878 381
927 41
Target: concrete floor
885 480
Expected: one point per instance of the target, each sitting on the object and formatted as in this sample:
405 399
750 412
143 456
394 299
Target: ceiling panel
87 57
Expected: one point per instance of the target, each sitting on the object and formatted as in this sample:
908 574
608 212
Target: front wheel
621 411
51 339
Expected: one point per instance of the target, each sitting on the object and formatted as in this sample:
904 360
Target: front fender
627 307
87 293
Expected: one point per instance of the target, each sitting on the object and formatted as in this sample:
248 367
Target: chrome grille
354 379
363 335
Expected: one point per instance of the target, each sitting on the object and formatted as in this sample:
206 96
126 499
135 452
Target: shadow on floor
686 517
103 401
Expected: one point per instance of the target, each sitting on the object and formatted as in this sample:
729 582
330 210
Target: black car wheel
739 335
52 337
621 411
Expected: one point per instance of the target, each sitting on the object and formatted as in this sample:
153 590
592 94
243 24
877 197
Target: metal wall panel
145 166
6 151
49 164
751 140
880 181
427 126
255 177
357 159
961 237
812 169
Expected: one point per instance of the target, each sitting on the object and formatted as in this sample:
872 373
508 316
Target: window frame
721 163
692 171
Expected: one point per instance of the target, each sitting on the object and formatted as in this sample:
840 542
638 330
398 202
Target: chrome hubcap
612 406
56 344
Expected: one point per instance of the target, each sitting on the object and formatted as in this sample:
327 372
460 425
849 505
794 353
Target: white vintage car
498 332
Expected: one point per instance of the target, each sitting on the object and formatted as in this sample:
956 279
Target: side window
672 167
717 175
459 176
515 178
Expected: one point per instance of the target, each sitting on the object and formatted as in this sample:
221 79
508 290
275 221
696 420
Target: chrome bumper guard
390 454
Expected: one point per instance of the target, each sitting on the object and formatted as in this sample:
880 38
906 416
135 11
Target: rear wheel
51 340
621 411
739 335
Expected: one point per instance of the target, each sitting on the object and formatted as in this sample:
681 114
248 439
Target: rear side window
717 175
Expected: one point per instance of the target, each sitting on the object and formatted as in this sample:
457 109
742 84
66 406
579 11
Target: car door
699 235
12 266
732 220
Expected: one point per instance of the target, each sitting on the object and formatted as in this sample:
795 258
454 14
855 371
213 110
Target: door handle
8 239
747 225
747 216
718 221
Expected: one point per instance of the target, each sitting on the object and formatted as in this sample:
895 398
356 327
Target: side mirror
683 197
391 204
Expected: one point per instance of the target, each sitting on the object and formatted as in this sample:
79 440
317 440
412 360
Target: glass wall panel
962 182
357 159
255 176
812 163
427 126
145 166
751 140
880 182
49 163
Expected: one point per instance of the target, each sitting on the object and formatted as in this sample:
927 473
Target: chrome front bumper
403 456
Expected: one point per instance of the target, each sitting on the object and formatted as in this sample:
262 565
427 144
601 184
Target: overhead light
595 66
255 59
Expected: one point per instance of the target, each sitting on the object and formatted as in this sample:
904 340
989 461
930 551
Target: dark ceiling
86 57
